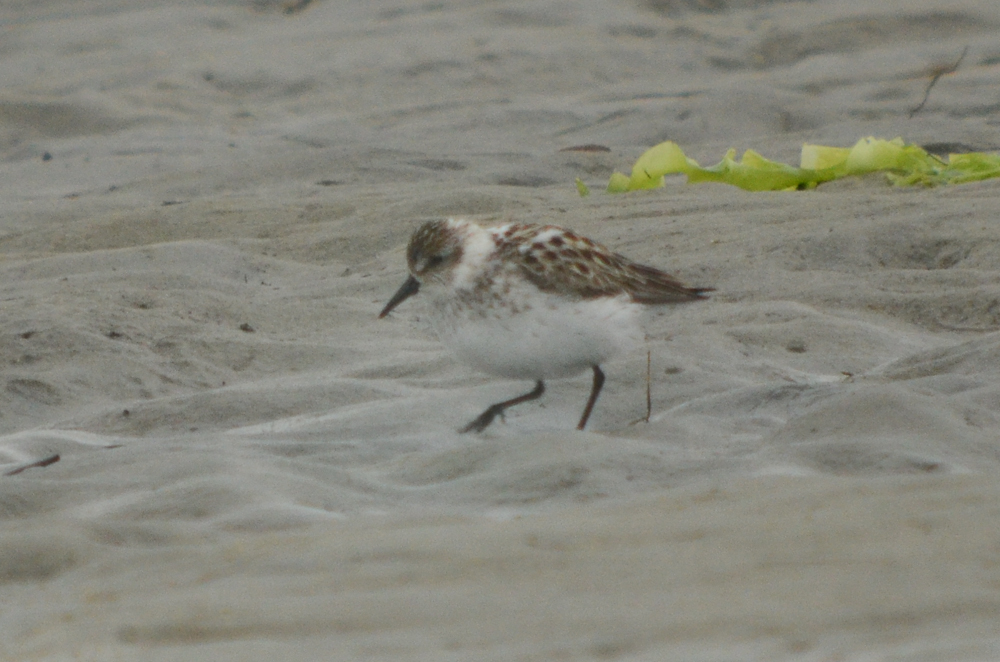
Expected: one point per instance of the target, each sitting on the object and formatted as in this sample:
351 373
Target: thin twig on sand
937 72
44 462
649 389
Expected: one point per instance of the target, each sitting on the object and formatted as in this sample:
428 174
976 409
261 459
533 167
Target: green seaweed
904 164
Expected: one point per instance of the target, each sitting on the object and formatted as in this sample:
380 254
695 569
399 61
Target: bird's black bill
409 288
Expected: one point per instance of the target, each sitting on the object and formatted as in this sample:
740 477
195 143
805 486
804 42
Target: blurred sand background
204 206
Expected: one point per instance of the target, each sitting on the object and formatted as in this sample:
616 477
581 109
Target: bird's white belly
539 337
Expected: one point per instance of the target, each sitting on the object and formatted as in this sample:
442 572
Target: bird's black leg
595 391
484 419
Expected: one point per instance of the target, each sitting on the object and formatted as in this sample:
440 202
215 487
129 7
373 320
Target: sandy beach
211 449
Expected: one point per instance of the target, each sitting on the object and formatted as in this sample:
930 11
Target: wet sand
205 207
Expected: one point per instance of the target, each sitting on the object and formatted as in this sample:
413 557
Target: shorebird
531 301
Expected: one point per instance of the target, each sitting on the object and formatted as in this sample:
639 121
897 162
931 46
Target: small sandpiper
531 301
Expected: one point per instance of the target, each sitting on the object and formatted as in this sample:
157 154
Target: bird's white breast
515 330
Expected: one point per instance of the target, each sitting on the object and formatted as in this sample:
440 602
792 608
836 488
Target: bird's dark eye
434 261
